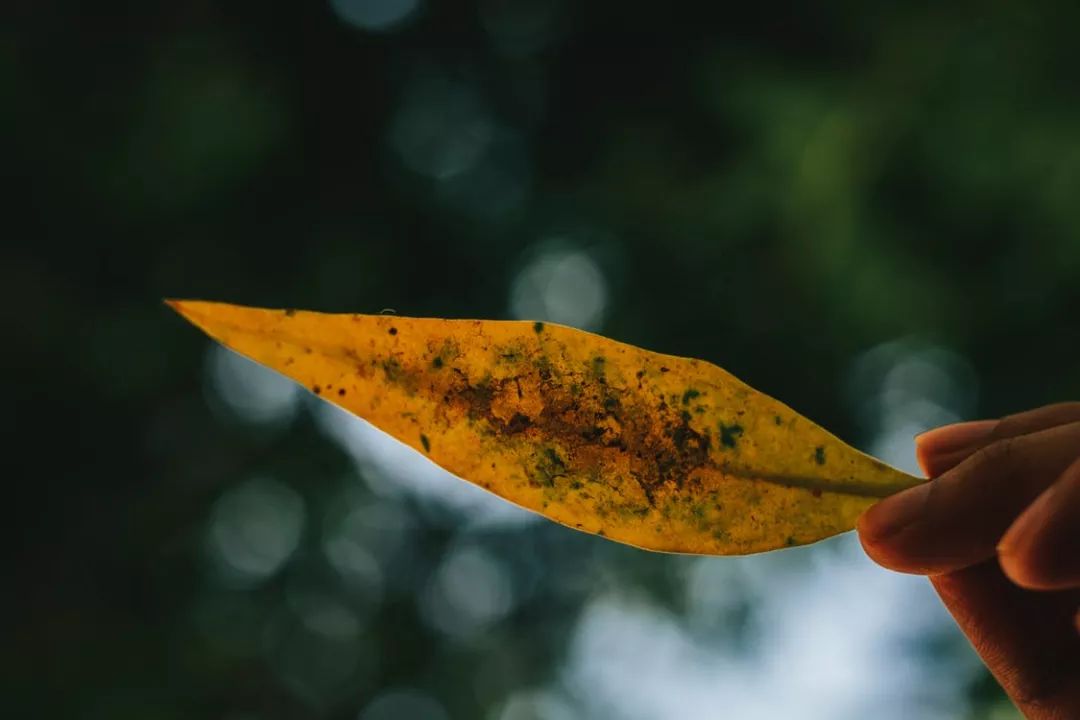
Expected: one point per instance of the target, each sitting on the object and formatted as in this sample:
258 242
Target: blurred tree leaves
204 122
748 179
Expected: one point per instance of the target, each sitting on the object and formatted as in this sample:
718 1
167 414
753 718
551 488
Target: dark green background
774 188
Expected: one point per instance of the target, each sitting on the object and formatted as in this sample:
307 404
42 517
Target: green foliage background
771 187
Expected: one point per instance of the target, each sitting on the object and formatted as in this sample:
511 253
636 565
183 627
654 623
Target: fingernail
894 513
956 436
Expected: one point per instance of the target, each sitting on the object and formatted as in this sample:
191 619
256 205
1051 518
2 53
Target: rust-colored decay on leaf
660 452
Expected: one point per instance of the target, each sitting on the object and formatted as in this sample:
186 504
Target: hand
997 529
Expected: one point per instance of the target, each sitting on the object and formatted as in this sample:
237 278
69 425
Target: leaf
656 451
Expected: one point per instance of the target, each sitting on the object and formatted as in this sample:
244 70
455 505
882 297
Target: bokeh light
819 649
468 592
561 285
497 185
376 15
254 529
404 703
249 391
520 28
351 546
536 705
905 387
442 128
315 647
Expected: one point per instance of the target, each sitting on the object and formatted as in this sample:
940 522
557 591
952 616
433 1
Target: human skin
997 530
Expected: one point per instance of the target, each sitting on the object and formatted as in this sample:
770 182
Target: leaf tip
190 310
176 304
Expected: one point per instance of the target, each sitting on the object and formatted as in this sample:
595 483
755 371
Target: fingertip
877 542
957 435
1020 569
925 458
887 518
891 559
864 528
1032 571
879 554
943 448
1041 549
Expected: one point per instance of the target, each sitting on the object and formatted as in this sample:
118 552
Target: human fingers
941 449
1025 638
1041 549
957 519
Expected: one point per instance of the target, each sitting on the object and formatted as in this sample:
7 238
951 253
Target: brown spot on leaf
518 423
729 434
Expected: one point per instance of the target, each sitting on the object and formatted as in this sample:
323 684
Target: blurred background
869 212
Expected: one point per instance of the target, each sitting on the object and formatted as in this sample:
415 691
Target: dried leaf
656 451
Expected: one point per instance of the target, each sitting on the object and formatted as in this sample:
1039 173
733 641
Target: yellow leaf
657 451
